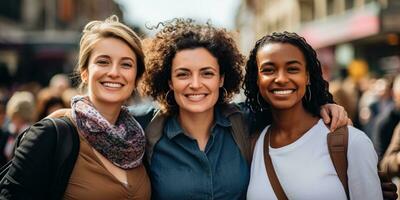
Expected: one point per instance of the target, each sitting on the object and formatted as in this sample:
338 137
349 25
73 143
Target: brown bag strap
337 146
273 178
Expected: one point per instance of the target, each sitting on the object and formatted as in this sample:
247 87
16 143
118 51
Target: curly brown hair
180 34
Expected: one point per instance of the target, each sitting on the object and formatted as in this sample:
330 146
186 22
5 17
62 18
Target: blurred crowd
372 103
28 103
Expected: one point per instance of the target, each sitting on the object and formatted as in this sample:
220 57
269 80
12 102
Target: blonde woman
105 161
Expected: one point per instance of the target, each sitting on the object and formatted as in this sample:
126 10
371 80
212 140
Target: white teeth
112 85
282 92
195 96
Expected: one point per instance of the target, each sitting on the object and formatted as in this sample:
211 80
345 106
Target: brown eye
182 75
267 70
208 74
293 70
102 62
126 65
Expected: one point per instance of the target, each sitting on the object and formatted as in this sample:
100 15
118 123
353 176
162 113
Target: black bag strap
337 146
240 132
154 131
64 128
273 178
66 154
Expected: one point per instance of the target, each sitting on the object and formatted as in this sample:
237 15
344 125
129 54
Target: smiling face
195 80
111 72
282 75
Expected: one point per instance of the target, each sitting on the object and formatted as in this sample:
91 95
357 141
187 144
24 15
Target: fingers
389 195
343 119
389 189
336 113
325 115
349 122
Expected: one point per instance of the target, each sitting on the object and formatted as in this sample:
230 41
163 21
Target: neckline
96 156
295 144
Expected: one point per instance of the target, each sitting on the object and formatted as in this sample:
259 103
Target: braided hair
319 87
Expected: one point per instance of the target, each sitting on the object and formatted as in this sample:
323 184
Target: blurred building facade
39 38
346 33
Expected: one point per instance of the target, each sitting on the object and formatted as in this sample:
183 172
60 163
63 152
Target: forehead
194 59
281 51
113 47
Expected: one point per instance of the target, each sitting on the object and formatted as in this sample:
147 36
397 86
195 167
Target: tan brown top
90 179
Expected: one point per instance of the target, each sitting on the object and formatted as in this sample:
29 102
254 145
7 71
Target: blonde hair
94 31
21 104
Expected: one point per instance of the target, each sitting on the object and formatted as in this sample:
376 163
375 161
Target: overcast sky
142 12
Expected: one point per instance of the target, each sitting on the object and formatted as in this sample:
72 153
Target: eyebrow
287 63
208 68
181 69
201 69
102 56
123 58
293 62
128 58
266 63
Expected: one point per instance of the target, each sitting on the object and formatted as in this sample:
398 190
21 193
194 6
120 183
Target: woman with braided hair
284 84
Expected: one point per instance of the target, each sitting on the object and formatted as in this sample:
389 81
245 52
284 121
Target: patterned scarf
123 143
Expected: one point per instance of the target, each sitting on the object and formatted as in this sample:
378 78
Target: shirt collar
173 128
220 119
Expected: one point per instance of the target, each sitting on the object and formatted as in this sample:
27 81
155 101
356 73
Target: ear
84 76
221 81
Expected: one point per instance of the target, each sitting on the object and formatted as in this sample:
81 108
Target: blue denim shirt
180 170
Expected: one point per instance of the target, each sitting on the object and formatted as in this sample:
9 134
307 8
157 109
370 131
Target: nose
114 71
281 77
195 82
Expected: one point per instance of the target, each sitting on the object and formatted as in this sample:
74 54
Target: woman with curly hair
284 84
193 71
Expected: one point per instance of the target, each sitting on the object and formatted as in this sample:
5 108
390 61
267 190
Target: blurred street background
357 42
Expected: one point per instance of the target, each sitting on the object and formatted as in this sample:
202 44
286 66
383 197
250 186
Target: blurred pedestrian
20 110
59 83
379 100
387 121
3 134
50 105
